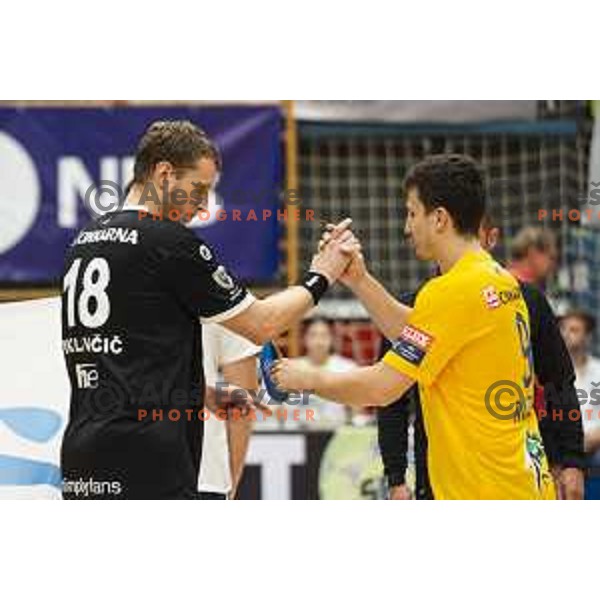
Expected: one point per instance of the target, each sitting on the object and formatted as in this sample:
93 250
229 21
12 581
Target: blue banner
50 159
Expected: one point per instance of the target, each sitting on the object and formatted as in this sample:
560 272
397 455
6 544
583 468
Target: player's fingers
342 225
276 369
337 230
345 237
351 247
325 239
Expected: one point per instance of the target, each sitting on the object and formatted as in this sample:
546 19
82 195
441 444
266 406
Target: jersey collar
136 207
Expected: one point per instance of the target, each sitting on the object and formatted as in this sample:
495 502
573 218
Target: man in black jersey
136 285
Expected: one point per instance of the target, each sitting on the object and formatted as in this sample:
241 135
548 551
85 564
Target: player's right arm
205 287
265 319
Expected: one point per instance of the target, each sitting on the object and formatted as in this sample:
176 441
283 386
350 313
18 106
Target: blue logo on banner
35 425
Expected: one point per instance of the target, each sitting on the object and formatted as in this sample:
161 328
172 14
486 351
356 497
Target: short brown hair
179 142
585 317
539 238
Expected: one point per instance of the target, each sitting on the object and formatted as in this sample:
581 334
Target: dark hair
316 320
493 216
319 319
454 182
487 222
179 142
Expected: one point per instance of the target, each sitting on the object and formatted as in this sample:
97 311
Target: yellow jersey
467 344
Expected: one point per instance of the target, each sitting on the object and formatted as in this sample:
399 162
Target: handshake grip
337 246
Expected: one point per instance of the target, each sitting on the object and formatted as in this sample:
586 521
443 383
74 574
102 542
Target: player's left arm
377 385
242 373
439 326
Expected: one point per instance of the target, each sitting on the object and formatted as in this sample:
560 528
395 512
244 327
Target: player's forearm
238 439
286 308
366 386
271 316
389 315
243 373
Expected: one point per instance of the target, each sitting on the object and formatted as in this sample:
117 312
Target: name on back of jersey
122 235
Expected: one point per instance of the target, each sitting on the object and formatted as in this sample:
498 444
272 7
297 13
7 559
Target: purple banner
50 158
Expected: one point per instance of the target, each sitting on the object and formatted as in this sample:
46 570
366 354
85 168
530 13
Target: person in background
318 342
577 328
225 442
534 260
534 255
562 438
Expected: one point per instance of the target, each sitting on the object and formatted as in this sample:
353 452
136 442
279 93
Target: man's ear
495 235
442 218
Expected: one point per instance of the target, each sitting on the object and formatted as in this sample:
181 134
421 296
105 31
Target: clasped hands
339 255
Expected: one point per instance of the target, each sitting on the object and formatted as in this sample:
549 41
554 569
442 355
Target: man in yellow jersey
466 343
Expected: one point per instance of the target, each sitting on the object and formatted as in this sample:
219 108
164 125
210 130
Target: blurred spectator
534 253
577 328
318 342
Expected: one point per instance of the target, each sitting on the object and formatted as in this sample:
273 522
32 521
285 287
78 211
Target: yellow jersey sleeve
445 319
